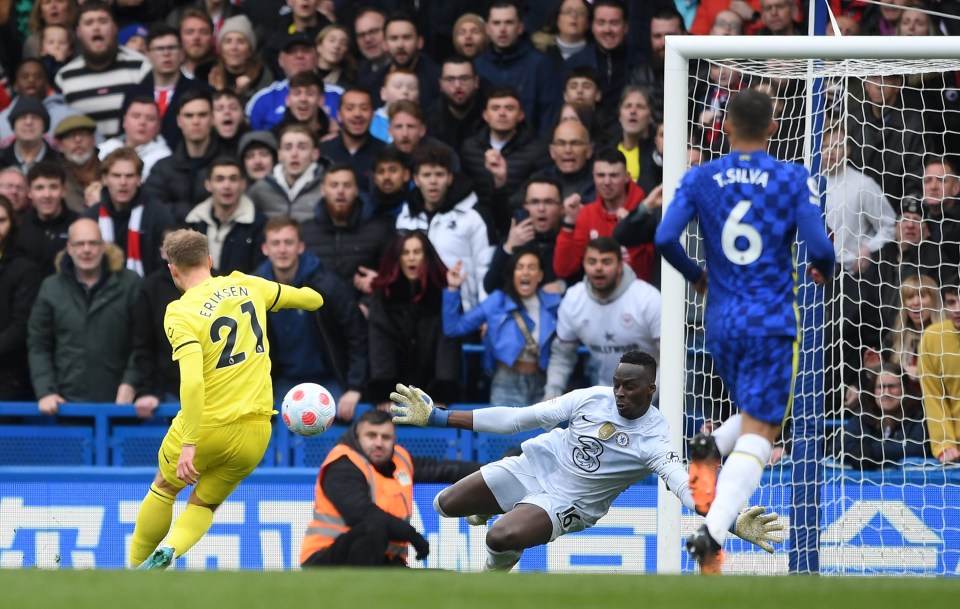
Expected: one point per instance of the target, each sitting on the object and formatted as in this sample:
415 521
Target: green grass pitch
413 589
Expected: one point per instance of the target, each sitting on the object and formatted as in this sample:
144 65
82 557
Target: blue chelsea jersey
749 207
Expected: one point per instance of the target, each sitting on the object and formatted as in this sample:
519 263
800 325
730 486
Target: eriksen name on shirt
742 175
219 296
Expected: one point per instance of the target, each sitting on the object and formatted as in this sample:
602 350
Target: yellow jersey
224 319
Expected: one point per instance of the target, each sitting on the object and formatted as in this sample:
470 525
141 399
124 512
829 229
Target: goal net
855 478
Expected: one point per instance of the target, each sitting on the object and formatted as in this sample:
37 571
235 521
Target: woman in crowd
890 427
637 141
238 68
406 328
44 13
336 65
520 318
920 307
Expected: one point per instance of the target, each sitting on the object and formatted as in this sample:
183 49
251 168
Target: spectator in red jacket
617 196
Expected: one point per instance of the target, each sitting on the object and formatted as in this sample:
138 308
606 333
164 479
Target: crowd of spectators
443 172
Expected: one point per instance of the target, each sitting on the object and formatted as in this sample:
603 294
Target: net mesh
856 468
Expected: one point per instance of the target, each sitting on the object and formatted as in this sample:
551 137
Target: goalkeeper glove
759 527
414 407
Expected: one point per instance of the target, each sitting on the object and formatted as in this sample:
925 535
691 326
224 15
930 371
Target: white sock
437 508
739 478
502 560
726 435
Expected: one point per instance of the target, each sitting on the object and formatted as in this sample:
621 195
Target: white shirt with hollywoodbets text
631 322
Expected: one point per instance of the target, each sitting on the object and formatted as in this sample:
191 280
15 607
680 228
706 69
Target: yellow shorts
225 456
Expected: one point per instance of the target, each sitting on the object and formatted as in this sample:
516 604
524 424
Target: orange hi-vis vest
393 495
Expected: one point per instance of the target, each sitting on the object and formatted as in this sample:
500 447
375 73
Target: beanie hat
29 105
124 35
241 25
262 138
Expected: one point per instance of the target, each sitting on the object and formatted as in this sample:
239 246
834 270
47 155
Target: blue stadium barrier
490 447
46 445
135 446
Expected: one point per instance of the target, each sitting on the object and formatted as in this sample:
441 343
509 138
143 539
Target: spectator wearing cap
301 18
78 155
31 81
30 121
239 68
298 54
166 82
257 151
133 37
96 81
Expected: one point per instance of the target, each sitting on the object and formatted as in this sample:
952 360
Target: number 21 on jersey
228 357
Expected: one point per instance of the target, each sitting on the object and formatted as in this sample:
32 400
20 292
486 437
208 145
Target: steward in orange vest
363 498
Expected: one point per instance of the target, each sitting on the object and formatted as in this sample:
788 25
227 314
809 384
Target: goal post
810 62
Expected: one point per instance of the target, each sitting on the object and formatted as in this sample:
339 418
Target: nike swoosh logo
584 417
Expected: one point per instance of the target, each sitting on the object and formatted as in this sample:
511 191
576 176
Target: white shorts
512 481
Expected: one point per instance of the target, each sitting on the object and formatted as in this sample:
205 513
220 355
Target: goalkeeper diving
566 480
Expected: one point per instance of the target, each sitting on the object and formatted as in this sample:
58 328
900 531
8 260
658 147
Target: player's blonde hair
186 248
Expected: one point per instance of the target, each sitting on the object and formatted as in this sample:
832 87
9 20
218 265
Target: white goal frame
680 50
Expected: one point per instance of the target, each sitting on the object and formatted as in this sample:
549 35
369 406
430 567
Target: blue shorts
759 373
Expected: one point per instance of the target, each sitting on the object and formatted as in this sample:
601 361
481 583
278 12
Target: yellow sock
190 526
153 522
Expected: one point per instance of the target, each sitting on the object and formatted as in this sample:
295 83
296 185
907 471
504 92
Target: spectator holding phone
536 224
521 321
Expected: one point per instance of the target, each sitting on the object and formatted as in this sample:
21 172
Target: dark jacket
19 281
407 342
360 161
168 123
80 343
639 228
339 325
343 249
156 218
451 130
865 447
524 154
177 181
889 149
614 67
41 240
8 156
531 73
157 373
243 244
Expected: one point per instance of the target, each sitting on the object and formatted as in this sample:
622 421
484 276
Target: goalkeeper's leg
523 527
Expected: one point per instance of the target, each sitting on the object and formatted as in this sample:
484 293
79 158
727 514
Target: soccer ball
308 409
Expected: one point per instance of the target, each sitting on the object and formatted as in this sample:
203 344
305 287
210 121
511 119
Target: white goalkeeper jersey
598 455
